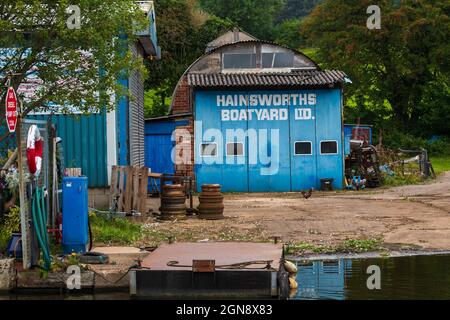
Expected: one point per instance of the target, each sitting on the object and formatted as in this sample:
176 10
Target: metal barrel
173 204
211 202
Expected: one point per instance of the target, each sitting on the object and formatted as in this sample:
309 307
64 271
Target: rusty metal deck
232 274
224 253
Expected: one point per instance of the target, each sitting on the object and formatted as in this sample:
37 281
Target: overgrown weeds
8 225
347 246
115 230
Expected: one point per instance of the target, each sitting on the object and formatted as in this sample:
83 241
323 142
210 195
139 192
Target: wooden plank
121 206
135 189
128 188
113 188
143 190
73 172
154 175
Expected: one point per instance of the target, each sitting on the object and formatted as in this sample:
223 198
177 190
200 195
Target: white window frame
328 154
304 154
208 156
234 155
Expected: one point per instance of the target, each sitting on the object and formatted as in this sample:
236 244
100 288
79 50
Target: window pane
303 148
209 149
235 149
239 60
267 59
327 147
283 60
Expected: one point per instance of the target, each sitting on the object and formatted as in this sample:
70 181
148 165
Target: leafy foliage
156 102
183 32
9 223
297 9
400 73
36 41
254 16
288 33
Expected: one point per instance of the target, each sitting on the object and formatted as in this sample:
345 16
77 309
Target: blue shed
264 118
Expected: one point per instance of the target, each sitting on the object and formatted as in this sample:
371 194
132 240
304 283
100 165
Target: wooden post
120 206
128 189
24 212
143 190
136 180
113 189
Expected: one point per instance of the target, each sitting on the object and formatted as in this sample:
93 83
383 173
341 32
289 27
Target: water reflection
415 277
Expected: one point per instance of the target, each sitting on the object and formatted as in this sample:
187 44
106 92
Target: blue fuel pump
74 214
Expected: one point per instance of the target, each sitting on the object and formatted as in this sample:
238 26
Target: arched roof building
243 87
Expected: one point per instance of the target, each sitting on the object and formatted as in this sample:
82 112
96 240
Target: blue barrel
75 228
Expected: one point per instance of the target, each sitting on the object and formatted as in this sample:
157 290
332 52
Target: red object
31 156
34 149
11 109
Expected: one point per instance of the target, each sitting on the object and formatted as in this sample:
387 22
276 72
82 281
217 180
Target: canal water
411 277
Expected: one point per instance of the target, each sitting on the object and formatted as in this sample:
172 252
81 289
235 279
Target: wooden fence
129 188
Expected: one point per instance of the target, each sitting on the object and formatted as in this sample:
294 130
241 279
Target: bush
439 146
9 224
395 139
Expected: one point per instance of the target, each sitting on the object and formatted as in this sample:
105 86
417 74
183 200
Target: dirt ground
417 215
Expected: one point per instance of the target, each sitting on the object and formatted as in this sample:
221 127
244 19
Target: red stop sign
11 109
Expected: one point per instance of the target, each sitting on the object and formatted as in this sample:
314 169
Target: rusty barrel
211 202
173 204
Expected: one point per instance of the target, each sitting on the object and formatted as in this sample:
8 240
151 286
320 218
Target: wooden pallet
129 187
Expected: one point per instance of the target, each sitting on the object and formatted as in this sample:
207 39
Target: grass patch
348 246
440 164
359 245
305 248
112 230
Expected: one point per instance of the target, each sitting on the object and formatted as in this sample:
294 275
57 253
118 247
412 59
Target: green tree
254 16
76 67
288 33
183 32
400 72
295 9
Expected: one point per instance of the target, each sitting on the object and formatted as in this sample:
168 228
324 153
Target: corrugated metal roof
304 78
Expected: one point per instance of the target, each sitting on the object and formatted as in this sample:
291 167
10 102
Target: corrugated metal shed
305 78
84 144
136 115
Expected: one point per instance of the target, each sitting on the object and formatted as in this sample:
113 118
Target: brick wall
182 98
185 134
185 149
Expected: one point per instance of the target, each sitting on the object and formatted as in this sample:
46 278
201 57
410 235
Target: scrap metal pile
362 166
367 166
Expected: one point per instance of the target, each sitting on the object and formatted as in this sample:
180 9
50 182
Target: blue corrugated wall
84 144
259 169
159 145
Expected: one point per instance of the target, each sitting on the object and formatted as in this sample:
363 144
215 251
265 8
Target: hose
91 240
38 211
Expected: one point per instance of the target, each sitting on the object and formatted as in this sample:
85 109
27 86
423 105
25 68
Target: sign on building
11 109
